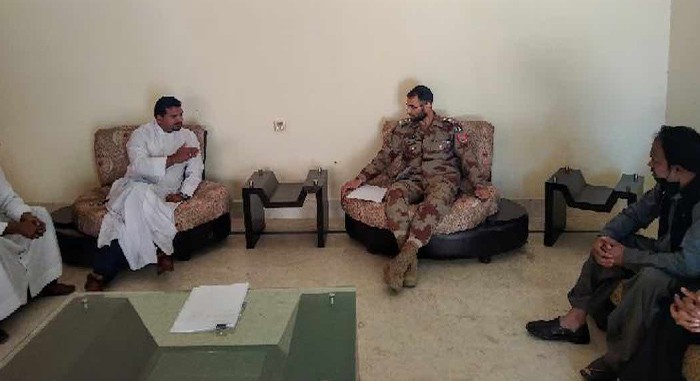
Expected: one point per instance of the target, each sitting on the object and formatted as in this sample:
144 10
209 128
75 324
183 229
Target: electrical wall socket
279 125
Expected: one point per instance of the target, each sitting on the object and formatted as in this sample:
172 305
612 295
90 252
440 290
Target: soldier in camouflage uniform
420 159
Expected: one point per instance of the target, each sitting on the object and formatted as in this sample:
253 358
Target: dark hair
422 92
681 146
163 104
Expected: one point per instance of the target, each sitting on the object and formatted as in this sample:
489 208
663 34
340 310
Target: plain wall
579 83
683 102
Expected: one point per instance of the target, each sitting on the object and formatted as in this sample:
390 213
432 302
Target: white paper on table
208 306
368 192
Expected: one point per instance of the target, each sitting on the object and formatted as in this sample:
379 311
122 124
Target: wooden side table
568 187
262 190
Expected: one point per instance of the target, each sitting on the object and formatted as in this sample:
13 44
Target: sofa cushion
89 209
209 202
691 363
475 150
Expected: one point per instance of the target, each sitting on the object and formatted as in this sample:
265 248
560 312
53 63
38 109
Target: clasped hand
686 310
28 226
607 252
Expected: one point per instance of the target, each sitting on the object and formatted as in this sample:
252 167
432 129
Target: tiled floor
464 321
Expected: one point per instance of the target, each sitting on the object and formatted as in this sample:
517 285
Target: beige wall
683 107
581 83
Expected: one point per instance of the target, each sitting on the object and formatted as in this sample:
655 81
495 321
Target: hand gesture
182 155
350 185
482 192
686 311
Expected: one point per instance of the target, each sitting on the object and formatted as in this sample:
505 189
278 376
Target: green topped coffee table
282 334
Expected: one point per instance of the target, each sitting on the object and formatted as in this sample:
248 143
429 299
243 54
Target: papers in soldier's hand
368 192
210 306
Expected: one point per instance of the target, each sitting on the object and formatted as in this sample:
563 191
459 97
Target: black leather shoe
165 264
3 336
600 315
552 330
57 289
599 370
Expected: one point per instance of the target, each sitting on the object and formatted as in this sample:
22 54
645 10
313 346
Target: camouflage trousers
435 200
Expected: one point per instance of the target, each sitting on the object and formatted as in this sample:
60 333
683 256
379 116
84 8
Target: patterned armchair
201 219
366 220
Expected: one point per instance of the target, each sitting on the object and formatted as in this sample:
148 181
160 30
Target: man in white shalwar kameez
29 256
165 168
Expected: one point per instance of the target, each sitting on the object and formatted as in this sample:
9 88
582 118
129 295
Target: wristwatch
184 196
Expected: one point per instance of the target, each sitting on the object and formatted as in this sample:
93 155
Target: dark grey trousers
642 294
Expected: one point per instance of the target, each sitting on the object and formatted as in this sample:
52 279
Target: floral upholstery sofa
468 212
203 218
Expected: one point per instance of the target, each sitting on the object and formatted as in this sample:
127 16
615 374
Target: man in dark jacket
658 266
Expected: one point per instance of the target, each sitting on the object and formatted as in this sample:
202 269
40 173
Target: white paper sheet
368 192
208 306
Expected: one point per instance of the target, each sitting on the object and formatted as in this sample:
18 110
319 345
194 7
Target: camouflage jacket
411 151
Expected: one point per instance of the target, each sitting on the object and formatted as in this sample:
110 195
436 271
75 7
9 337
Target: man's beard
670 187
176 127
419 117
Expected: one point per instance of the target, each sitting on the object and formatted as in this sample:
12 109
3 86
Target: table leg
253 218
322 215
554 214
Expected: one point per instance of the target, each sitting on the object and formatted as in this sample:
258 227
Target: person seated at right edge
656 266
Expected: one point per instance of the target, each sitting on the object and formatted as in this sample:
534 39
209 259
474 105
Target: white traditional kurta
24 263
137 214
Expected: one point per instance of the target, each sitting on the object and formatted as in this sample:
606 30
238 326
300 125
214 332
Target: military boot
410 279
395 270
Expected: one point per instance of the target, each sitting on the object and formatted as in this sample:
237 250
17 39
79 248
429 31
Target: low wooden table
568 187
262 190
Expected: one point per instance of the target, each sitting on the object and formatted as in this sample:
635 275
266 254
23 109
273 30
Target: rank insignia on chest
462 137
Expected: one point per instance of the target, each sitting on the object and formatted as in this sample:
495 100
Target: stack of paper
368 192
209 306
